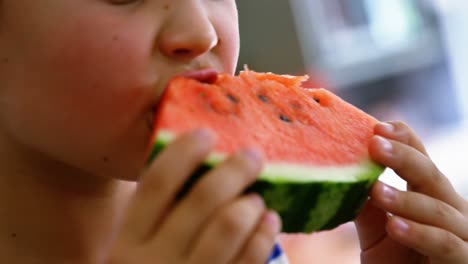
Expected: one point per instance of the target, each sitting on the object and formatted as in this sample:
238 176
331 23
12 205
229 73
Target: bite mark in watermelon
318 169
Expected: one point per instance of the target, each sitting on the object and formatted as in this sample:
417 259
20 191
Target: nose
187 32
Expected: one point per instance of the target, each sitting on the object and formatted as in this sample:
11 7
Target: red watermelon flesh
314 142
291 125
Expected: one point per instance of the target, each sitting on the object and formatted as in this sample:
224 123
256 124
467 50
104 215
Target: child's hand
213 223
429 222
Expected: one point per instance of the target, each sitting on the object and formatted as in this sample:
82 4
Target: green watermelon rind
307 198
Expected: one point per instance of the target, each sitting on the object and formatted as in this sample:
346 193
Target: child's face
78 78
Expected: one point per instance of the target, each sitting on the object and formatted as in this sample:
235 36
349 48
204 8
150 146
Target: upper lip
204 74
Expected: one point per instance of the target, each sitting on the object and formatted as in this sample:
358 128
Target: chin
131 172
124 167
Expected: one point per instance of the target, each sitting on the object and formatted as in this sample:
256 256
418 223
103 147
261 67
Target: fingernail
385 145
273 221
388 193
253 155
401 226
387 127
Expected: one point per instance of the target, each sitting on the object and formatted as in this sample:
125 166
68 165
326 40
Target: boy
79 82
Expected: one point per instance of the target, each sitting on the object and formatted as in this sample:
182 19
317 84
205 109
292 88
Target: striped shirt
278 256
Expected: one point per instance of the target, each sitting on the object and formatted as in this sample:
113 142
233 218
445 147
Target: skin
79 80
428 222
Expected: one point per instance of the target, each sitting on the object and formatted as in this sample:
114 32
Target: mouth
208 75
205 75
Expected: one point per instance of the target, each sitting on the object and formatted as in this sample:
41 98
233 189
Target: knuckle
239 217
402 126
441 210
436 176
401 158
153 182
449 244
189 146
259 250
404 131
241 162
240 168
232 176
399 123
464 205
209 188
204 194
406 135
232 222
401 202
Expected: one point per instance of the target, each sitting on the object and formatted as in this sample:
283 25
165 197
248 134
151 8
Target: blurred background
395 59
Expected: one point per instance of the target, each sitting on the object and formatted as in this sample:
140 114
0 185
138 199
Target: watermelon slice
318 169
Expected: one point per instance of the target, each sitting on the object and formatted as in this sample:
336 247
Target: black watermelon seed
232 98
317 100
285 119
263 98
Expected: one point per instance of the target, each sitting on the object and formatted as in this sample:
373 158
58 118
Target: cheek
101 65
87 95
227 27
104 87
228 30
231 50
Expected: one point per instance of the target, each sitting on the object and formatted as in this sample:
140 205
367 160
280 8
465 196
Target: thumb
370 225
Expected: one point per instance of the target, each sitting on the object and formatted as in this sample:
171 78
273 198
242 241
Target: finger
215 189
401 132
162 180
415 168
420 208
228 230
438 244
370 225
260 246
